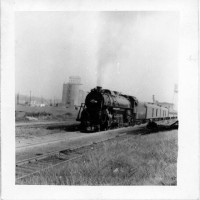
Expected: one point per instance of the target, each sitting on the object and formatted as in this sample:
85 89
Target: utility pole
153 97
30 97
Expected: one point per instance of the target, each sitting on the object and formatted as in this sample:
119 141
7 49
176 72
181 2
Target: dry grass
140 160
34 132
44 113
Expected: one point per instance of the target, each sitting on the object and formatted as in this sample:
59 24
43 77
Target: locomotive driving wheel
104 123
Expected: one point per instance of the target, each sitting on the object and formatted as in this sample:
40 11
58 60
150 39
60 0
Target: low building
170 106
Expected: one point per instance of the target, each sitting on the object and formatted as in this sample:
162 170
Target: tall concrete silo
71 91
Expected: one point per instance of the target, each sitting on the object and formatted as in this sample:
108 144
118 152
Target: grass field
25 113
149 159
35 132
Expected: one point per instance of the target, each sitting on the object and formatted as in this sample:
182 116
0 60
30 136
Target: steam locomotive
104 109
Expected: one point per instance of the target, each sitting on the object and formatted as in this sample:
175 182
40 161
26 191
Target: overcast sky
132 52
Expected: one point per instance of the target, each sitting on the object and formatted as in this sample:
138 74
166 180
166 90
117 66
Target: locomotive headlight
93 101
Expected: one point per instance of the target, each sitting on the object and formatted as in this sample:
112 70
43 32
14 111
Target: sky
135 53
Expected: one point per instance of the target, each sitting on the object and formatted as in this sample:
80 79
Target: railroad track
69 123
34 165
39 163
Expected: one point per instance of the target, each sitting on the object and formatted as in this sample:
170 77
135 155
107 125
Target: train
105 109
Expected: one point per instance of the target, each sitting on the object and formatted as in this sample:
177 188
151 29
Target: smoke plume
114 44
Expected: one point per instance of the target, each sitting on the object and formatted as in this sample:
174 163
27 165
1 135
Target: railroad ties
37 164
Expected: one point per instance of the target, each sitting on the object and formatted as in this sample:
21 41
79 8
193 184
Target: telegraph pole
30 97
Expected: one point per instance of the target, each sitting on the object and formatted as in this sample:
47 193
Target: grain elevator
72 95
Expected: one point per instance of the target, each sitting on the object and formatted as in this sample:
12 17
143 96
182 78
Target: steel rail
39 157
58 152
49 167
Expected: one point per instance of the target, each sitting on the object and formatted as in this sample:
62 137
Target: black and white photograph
83 79
101 98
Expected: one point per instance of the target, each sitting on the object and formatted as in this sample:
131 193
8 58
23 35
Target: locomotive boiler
104 109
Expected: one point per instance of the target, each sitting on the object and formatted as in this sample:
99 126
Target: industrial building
170 106
72 94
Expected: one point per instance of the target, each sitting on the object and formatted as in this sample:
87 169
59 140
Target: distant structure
72 95
164 104
24 100
170 106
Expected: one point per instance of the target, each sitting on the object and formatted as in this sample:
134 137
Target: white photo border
188 138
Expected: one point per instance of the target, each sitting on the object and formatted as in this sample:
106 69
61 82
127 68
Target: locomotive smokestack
99 88
153 98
